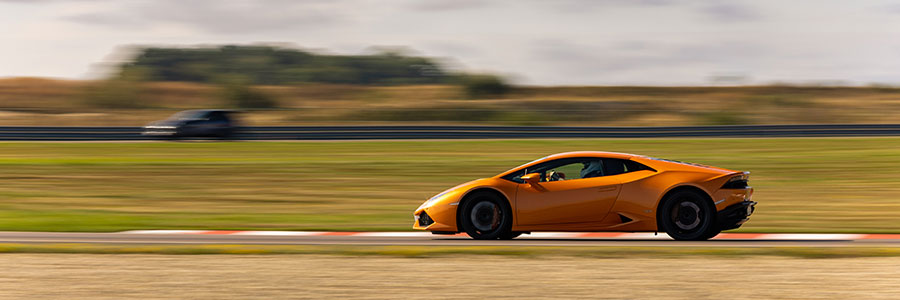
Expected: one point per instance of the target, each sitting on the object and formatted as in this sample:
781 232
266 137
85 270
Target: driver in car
553 175
592 169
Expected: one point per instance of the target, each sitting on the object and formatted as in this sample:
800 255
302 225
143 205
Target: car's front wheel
688 216
485 216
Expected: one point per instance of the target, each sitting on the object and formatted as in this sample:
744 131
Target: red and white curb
557 235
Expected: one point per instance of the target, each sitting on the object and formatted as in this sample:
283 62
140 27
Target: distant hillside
265 65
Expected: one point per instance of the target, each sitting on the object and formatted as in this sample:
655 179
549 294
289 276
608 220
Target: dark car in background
195 123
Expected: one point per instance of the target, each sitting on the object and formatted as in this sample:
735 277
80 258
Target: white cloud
218 17
447 5
539 42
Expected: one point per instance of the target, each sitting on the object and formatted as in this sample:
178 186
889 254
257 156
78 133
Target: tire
688 216
484 216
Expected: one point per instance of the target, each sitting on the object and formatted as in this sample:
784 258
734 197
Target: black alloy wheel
688 216
485 216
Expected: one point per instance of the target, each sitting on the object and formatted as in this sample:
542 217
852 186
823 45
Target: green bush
271 65
481 86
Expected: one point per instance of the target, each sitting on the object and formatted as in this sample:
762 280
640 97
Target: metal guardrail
12 133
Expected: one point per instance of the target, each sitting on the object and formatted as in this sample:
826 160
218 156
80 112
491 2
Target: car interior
578 168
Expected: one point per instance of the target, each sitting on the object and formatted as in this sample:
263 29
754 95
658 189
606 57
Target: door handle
607 189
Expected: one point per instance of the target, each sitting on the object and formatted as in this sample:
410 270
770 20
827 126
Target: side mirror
532 178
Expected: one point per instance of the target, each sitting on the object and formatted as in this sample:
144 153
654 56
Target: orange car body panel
589 204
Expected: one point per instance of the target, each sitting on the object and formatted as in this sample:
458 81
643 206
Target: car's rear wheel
486 216
688 216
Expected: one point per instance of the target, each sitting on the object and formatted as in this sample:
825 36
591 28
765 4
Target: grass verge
843 185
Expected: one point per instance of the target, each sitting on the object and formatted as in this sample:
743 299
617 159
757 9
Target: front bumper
436 218
423 219
736 215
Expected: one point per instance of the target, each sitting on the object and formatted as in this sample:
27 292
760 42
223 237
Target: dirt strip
79 276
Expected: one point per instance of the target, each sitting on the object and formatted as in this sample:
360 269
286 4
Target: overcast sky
544 42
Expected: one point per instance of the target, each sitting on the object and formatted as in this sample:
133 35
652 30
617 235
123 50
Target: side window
217 116
563 169
631 166
516 176
612 166
582 168
569 171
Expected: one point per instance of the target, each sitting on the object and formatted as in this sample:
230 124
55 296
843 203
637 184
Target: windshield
525 164
189 114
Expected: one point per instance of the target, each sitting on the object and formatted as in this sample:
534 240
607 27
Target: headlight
434 199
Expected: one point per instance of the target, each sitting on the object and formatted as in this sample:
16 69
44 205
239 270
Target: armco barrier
40 133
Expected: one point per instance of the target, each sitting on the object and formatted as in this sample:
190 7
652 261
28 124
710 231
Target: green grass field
802 184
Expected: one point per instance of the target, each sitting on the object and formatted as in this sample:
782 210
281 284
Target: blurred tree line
237 69
265 65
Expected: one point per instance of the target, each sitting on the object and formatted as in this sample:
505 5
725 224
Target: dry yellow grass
36 101
74 276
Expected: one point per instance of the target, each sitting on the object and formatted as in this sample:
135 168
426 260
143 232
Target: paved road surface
416 238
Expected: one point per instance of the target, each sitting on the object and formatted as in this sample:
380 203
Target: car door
218 123
210 124
198 125
570 200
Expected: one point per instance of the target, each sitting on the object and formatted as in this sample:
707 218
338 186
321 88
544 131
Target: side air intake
735 184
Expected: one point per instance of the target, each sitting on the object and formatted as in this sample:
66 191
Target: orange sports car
594 191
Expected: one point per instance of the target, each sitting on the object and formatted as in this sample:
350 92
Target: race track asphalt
419 239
